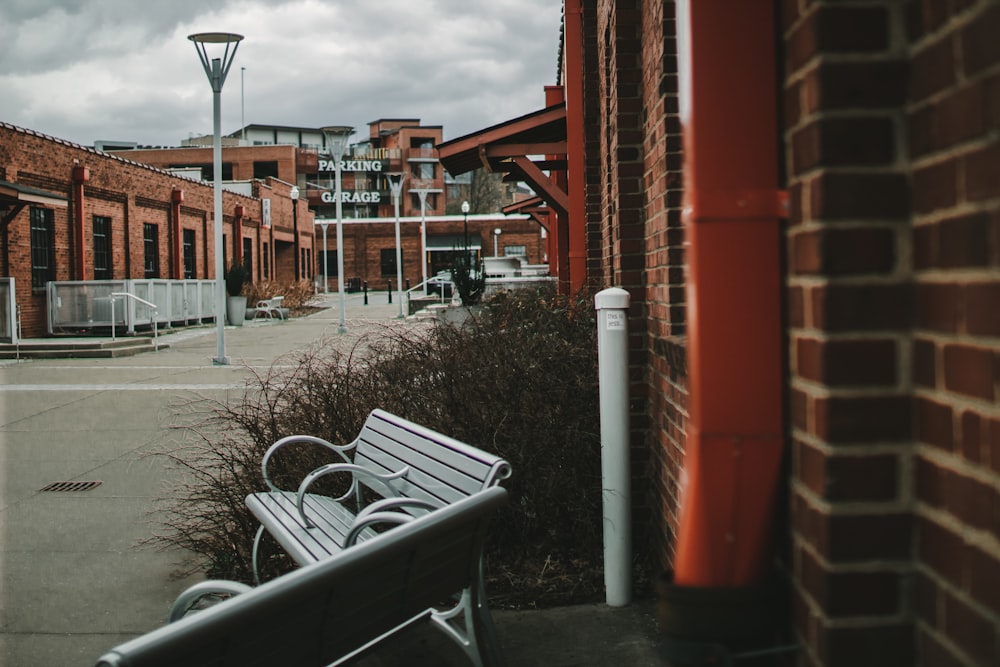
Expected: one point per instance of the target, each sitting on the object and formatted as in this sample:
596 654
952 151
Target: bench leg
478 638
255 555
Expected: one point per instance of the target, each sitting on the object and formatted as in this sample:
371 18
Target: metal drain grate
71 486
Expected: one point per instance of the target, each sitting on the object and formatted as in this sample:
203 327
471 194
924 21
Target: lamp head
215 37
337 137
465 207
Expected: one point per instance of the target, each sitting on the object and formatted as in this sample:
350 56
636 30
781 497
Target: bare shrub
519 379
296 293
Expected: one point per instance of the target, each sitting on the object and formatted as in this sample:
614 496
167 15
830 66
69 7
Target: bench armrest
356 472
376 517
190 597
337 449
381 511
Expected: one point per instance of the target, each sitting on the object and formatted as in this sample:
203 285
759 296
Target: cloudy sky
89 70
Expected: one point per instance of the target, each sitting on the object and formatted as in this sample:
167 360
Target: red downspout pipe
238 234
81 175
731 221
575 141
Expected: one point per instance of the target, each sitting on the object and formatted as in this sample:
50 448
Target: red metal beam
542 184
575 139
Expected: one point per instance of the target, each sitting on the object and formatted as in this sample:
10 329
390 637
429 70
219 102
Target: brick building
73 213
299 155
801 198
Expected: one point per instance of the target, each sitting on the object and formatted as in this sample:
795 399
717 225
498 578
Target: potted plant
236 302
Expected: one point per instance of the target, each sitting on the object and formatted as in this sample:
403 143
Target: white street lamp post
422 193
496 241
396 185
336 140
217 69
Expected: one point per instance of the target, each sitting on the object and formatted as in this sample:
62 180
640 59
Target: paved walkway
73 582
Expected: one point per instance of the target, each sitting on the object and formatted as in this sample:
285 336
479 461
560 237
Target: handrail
155 308
423 284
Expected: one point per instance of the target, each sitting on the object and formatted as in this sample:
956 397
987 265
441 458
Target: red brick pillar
81 175
850 310
176 235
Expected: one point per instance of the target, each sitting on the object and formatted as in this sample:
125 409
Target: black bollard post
407 284
366 292
390 291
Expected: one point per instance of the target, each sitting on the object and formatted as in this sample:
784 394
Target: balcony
307 161
422 155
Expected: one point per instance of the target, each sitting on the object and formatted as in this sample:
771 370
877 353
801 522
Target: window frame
103 264
42 239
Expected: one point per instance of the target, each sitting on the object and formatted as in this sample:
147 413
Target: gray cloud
116 69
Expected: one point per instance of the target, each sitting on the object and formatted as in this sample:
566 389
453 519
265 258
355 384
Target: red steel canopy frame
731 221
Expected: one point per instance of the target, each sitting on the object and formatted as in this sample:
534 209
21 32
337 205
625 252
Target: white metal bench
408 468
271 308
328 612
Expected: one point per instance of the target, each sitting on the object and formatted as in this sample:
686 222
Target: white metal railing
9 320
421 287
132 303
493 284
85 305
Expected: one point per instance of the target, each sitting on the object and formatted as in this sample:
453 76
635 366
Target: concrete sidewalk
73 581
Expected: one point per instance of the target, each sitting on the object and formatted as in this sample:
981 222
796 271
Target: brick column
850 315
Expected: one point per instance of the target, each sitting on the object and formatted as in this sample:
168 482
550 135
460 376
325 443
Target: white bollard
612 358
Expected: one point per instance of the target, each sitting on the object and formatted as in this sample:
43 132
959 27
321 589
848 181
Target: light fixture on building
336 142
496 241
217 68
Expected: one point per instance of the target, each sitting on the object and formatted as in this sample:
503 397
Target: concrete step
78 348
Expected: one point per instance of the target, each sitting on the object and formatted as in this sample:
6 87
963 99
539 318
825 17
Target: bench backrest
440 469
331 609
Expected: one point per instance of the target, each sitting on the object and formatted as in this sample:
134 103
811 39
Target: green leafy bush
519 379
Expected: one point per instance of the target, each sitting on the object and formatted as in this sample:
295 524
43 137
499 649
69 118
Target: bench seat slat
456 455
393 456
279 515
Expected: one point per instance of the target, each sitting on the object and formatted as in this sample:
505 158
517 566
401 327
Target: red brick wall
894 286
851 311
130 194
364 242
664 265
953 115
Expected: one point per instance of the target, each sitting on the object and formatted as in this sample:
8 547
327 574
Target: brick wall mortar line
982 407
964 596
862 508
962 466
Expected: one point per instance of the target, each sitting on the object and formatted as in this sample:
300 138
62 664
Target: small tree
468 276
235 277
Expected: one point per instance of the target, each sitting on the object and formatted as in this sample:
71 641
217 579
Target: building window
388 261
102 248
422 171
43 267
265 261
189 253
328 259
265 169
150 250
248 258
515 251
